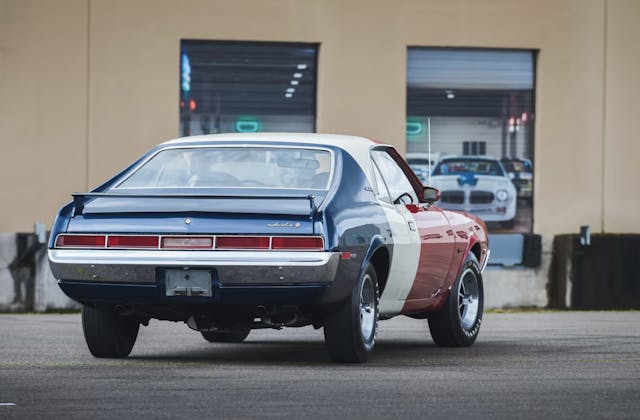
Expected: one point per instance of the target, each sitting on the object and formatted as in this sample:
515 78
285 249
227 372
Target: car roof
340 140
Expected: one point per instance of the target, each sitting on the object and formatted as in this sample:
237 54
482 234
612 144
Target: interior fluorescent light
294 82
297 75
288 95
302 66
290 90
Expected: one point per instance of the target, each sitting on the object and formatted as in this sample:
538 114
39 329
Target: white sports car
478 185
419 163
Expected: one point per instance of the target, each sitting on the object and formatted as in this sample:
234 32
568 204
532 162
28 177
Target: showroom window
235 86
477 108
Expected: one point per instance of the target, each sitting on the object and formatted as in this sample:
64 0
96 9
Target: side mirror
431 195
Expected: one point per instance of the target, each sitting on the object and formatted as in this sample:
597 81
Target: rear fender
60 223
349 272
377 243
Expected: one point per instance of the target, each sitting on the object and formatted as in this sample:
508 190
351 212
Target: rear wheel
457 324
350 326
234 335
107 334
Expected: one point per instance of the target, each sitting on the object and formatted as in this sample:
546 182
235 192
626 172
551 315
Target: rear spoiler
80 199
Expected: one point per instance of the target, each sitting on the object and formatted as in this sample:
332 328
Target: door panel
436 253
404 259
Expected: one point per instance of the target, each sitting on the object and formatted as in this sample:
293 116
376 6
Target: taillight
187 242
297 243
81 241
280 243
132 241
242 242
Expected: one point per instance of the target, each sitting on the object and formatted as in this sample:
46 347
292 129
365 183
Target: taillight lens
297 243
132 242
291 243
242 242
81 241
187 242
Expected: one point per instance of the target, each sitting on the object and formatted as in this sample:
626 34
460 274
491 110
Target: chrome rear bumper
232 267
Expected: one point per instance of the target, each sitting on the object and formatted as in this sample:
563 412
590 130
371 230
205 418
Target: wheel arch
476 249
379 256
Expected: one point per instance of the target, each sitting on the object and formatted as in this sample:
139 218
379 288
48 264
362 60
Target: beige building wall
86 86
621 149
43 108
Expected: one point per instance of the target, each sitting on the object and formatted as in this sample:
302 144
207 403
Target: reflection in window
475 102
233 167
396 180
244 87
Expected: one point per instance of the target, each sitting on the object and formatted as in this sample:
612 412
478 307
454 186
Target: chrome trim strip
486 260
232 267
190 258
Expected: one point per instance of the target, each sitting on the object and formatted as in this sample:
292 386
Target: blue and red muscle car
233 232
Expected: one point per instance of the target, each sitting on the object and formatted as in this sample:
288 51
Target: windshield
234 167
476 166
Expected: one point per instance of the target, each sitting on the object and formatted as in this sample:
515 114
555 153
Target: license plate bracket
186 282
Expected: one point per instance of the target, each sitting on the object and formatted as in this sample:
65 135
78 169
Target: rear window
234 167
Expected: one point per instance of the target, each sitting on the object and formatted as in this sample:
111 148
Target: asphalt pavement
552 365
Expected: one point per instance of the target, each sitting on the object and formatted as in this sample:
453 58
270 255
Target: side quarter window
383 192
396 180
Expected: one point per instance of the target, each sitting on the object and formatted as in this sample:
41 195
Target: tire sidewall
365 345
466 336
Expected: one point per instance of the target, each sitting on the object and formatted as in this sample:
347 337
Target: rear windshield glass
476 166
234 167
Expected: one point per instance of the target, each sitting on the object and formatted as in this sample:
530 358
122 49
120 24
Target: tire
350 327
457 324
108 335
235 335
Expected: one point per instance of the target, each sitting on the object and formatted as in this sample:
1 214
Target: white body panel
404 261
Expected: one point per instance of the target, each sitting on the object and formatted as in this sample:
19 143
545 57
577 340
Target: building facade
86 86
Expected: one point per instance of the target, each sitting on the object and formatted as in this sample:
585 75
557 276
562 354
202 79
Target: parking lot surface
524 365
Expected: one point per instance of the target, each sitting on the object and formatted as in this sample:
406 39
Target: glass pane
395 178
232 86
475 103
229 167
383 193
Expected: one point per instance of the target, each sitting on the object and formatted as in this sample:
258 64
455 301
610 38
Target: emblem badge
285 224
187 221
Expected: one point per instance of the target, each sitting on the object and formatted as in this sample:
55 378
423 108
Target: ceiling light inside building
297 75
450 94
288 95
290 90
294 82
302 66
